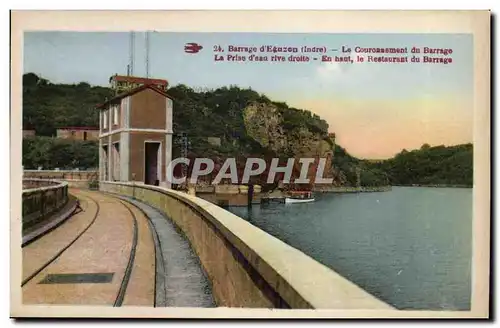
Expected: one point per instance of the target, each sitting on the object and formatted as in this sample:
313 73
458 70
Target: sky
375 109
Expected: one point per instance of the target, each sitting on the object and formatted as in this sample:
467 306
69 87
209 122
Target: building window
115 116
105 119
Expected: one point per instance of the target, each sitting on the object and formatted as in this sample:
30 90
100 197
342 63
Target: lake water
410 247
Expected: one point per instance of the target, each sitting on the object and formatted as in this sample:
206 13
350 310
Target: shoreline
352 189
384 188
436 186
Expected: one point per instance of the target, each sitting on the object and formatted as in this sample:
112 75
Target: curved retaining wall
246 266
62 174
40 202
75 179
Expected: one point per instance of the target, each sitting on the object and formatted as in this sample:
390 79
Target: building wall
214 141
124 155
115 110
93 135
28 133
105 115
137 152
115 157
115 137
152 102
140 114
77 134
124 112
124 86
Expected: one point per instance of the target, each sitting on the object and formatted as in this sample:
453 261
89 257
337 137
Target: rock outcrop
265 124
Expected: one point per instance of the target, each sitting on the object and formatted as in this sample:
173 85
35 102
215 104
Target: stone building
78 133
215 141
135 142
122 83
28 133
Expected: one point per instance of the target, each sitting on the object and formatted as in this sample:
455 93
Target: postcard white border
474 22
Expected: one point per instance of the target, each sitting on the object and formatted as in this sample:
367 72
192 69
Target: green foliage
94 184
297 118
370 175
425 166
208 113
217 113
438 165
345 163
51 153
47 106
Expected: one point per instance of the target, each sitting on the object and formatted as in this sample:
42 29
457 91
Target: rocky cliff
218 123
266 124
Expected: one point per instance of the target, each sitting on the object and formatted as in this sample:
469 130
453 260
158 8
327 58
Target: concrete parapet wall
75 179
75 183
246 266
61 175
38 183
227 189
40 202
229 199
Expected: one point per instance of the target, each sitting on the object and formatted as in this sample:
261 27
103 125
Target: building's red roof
134 91
143 80
93 128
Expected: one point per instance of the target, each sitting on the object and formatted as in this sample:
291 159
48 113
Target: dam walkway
116 251
132 244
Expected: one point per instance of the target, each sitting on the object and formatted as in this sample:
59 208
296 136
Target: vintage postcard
193 165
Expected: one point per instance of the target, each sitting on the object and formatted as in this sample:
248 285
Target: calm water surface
411 247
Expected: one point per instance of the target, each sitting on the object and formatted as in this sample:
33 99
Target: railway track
49 265
130 264
59 253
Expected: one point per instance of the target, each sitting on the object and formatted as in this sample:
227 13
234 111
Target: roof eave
132 92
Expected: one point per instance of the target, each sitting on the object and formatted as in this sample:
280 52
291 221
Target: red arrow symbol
192 48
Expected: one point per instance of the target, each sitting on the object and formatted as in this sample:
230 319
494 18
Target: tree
432 165
51 153
219 113
30 80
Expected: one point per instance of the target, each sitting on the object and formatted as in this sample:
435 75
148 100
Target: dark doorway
116 162
105 162
84 135
151 163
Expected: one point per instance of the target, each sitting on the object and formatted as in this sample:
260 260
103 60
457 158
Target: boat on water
299 197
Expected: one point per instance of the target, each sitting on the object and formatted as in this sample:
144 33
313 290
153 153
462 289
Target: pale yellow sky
375 109
380 128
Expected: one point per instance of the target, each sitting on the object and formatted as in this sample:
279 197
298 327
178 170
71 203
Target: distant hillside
438 165
247 124
47 106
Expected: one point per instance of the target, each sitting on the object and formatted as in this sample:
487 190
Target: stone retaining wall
75 179
39 203
248 267
61 175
